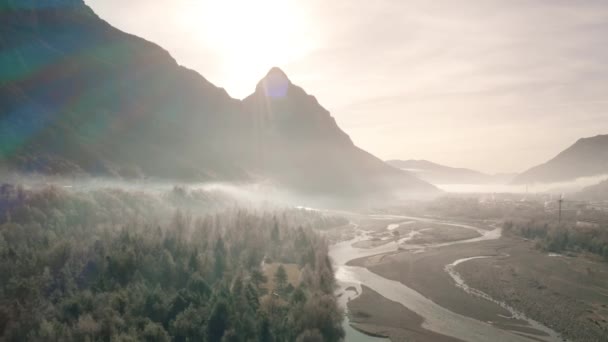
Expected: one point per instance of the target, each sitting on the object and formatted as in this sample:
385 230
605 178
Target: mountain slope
598 192
78 96
587 157
301 144
441 174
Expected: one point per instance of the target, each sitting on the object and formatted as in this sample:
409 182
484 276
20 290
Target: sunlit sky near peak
493 85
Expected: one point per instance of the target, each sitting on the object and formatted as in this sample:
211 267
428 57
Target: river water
436 318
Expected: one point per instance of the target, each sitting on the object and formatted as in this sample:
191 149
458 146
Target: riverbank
436 319
375 315
566 294
569 294
411 232
425 273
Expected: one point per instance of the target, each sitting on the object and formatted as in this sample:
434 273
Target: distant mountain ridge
598 192
78 96
441 174
586 158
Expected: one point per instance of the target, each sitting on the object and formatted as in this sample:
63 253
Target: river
436 318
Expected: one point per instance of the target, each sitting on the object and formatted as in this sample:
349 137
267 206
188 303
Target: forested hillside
110 265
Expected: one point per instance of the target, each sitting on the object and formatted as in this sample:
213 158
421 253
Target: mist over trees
114 265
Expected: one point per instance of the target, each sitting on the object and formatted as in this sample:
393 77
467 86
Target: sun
251 36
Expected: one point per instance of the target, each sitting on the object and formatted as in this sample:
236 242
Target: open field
293 275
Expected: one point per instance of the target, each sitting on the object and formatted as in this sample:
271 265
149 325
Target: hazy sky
491 85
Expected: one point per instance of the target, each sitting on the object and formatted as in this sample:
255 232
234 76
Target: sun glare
251 36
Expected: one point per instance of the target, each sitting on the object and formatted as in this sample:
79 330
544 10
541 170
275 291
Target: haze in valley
308 171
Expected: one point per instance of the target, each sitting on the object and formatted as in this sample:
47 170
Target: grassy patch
293 275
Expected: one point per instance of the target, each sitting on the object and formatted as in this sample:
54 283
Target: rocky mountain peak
275 84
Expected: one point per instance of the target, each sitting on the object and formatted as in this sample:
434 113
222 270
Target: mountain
78 96
587 157
300 144
598 192
440 174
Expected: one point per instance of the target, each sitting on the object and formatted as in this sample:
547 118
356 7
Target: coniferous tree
220 258
218 322
280 279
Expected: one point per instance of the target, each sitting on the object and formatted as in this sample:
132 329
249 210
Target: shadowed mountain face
78 96
440 174
587 157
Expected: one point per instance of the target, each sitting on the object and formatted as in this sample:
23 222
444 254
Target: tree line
113 265
555 237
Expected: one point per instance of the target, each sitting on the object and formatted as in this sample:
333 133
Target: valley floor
379 316
567 294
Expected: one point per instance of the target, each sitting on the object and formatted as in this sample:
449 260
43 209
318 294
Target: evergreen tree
218 322
275 236
220 259
280 279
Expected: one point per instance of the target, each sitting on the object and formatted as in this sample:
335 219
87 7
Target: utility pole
560 201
